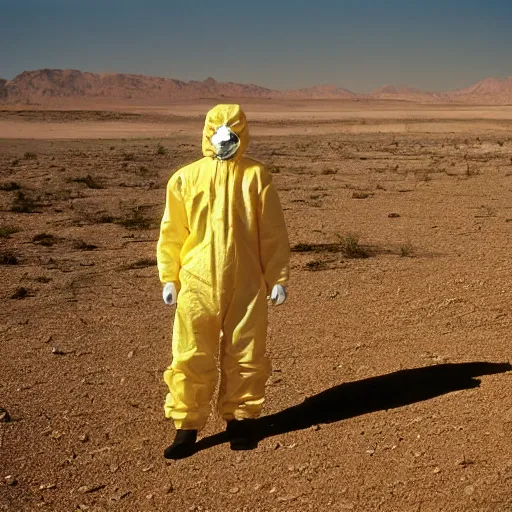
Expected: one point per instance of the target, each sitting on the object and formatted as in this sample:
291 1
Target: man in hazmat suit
223 249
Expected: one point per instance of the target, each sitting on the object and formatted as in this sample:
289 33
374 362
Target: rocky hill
393 92
48 86
3 90
488 91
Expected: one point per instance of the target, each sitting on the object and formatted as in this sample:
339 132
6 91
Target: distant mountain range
50 86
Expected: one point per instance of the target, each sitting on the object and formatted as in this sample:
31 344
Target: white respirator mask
225 142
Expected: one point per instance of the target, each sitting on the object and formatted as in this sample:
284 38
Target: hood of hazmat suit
223 242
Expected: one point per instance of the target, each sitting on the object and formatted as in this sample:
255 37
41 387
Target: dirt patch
389 388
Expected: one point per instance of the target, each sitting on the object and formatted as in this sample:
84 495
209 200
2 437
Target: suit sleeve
274 244
174 231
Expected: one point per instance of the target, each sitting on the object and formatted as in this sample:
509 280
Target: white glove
278 294
169 294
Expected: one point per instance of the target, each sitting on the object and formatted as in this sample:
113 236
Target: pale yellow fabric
223 241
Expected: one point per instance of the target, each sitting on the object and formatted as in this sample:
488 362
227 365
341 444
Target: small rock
57 352
10 480
234 490
437 470
284 499
393 215
149 496
469 490
130 354
170 488
4 416
86 489
120 495
45 487
56 434
83 438
316 428
370 452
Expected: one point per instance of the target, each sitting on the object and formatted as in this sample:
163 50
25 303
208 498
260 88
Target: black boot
241 434
184 445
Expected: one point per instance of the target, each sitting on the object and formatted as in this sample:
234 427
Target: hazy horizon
360 47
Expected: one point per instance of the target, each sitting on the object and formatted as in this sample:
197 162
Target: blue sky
358 44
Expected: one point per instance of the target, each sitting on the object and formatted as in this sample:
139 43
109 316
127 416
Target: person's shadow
369 395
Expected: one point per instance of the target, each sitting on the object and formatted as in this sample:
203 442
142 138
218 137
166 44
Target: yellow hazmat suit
223 242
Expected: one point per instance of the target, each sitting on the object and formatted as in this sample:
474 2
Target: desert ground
391 385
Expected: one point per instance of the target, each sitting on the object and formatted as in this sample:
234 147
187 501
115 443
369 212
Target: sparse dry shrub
316 265
23 204
318 248
161 150
9 186
8 258
98 218
45 239
147 172
135 220
20 293
405 250
63 195
89 182
347 245
302 247
7 231
350 247
142 263
80 245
